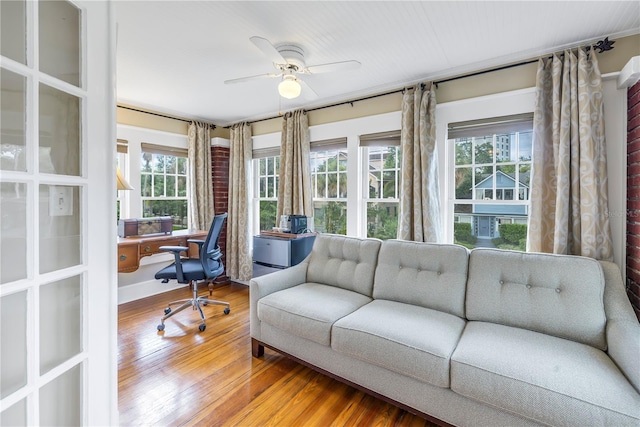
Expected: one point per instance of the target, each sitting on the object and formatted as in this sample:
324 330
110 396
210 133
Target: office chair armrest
176 253
196 241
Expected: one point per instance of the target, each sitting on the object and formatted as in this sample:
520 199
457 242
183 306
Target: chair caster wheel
202 327
227 311
204 303
161 327
167 310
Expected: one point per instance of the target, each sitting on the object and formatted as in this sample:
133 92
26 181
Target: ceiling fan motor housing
293 54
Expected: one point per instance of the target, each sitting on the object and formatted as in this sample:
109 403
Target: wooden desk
132 249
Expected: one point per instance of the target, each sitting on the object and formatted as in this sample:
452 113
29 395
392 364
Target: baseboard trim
145 289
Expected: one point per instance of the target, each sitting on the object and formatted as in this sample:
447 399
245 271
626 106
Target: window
491 175
339 169
121 164
382 193
268 169
329 185
164 183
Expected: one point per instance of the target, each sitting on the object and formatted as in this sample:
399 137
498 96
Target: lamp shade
289 87
122 183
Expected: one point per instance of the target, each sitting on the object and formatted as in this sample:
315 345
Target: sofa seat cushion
548 379
308 310
411 340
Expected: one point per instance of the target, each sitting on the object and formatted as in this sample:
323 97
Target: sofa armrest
623 329
623 337
270 283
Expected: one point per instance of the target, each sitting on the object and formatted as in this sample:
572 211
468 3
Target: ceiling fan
288 59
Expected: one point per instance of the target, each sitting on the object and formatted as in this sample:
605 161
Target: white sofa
478 338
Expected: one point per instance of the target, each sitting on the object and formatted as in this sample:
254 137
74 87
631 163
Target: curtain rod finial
604 45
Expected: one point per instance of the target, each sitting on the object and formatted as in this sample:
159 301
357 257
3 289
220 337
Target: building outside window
164 183
492 168
382 193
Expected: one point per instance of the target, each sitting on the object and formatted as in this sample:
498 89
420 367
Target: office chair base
196 302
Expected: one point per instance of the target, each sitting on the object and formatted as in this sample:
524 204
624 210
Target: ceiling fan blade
307 92
249 78
332 66
268 49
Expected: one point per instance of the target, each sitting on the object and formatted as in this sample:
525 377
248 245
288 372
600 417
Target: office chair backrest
210 256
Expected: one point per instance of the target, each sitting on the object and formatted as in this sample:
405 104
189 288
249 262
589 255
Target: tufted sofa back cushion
558 295
346 262
426 274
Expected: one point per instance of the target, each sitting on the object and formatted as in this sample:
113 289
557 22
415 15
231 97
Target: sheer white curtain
569 198
419 198
294 190
201 211
238 262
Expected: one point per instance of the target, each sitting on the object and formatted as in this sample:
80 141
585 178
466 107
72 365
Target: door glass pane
12 30
59 132
61 400
60 322
60 240
15 415
13 231
13 343
12 120
59 25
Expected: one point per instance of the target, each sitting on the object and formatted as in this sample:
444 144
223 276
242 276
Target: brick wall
220 178
633 197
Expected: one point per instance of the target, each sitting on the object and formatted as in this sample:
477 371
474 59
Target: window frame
136 137
257 198
324 153
379 141
165 174
484 197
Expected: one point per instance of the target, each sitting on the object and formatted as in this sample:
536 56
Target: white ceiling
173 56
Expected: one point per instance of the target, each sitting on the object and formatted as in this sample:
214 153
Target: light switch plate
60 200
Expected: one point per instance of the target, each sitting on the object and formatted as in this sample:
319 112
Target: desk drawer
150 248
127 258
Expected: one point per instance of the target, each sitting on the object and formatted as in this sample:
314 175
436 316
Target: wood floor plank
184 377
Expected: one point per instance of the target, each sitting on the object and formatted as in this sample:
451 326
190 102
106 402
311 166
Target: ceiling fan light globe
289 88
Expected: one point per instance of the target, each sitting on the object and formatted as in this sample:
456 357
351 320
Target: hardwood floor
186 377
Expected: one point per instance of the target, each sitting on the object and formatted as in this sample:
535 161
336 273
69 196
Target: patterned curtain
238 262
201 187
419 197
294 190
569 199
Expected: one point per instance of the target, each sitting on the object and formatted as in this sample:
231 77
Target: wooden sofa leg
257 349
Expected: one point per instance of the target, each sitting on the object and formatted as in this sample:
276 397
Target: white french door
58 320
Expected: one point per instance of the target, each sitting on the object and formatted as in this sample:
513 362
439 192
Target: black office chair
190 270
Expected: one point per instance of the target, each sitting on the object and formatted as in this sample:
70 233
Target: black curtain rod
332 105
602 46
165 116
